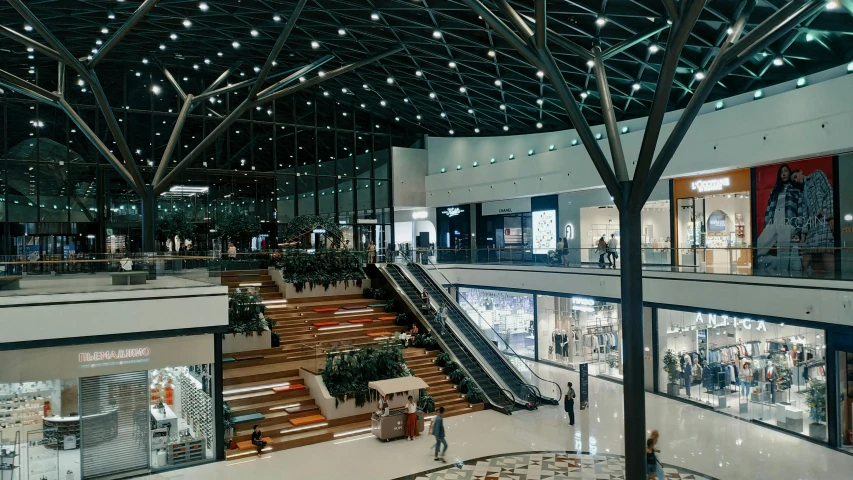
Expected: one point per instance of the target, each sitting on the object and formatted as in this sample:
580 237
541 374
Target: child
651 460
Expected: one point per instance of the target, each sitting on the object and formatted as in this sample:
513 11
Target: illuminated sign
712 185
319 230
108 358
717 321
419 215
452 211
570 231
583 304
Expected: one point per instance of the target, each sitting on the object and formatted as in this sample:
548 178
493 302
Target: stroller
554 259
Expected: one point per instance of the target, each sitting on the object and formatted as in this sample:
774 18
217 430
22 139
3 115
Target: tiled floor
544 466
716 446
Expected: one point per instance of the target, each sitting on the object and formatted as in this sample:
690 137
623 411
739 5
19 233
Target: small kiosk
393 425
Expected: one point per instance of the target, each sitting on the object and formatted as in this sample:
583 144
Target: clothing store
752 368
575 330
505 317
713 221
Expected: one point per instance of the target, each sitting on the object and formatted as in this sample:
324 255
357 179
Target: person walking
371 252
442 316
601 250
569 404
654 437
437 430
232 251
256 439
651 460
412 420
612 249
565 252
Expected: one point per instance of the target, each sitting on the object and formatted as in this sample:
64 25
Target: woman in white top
412 421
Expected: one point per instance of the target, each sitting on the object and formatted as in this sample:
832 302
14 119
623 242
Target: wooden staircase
442 390
259 279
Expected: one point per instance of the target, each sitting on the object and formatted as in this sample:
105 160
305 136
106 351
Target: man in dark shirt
256 439
437 429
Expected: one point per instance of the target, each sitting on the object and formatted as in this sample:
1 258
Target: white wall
43 317
409 172
816 300
810 121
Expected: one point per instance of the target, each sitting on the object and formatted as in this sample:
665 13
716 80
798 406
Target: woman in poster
817 226
782 222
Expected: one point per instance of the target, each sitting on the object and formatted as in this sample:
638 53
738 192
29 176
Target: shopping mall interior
426 240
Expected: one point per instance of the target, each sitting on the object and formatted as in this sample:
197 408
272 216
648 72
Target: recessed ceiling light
418 73
471 111
325 93
699 75
491 53
720 105
436 34
155 89
374 16
219 54
104 30
276 18
636 86
653 48
506 127
188 23
203 6
832 5
463 89
321 73
600 21
540 74
195 66
389 80
538 124
28 28
443 114
758 94
253 33
342 32
235 44
625 129
419 117
540 101
598 136
498 83
383 103
301 79
574 142
451 64
452 132
590 63
173 36
406 100
477 130
502 106
778 61
315 44
431 95
584 94
145 61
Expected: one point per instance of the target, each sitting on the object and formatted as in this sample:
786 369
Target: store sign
583 304
452 211
712 185
718 321
419 215
86 357
503 207
717 222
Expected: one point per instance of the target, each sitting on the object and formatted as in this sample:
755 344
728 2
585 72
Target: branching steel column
295 76
173 138
276 49
563 42
616 153
674 46
631 41
38 47
131 22
541 24
672 10
18 84
222 77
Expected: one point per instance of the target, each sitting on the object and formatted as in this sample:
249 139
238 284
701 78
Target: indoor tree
175 223
239 227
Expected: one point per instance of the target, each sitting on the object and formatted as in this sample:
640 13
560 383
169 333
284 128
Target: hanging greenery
816 399
346 374
175 223
326 268
297 231
670 366
246 314
239 227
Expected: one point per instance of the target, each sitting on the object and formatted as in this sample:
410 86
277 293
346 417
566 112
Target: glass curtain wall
296 156
508 315
752 368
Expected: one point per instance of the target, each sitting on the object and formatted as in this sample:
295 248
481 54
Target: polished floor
713 445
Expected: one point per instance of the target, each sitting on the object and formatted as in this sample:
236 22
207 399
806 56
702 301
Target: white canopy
397 385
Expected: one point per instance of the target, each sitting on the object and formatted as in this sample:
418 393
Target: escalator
491 346
499 397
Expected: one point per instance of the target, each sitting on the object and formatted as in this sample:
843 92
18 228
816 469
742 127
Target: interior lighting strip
250 284
265 449
306 427
353 432
254 389
346 312
338 327
278 306
379 339
282 407
270 302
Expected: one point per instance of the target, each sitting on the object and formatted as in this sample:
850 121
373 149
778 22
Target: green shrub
380 294
465 385
346 374
442 359
456 377
323 268
450 366
367 292
426 402
474 395
390 305
246 314
430 343
402 319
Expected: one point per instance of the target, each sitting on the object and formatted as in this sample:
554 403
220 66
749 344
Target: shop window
752 368
504 317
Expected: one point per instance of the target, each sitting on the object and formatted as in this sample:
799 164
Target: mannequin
687 373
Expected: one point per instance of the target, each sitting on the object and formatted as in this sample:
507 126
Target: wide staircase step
307 420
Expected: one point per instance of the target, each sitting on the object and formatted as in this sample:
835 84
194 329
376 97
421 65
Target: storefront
713 221
454 233
760 370
110 409
586 216
574 330
504 317
415 228
517 229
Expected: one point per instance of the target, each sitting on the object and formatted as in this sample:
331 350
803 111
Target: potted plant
426 402
442 359
816 400
672 369
389 305
227 424
367 292
402 319
474 395
612 360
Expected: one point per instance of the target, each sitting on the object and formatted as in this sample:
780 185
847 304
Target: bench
379 334
290 388
361 320
326 310
10 283
387 319
247 357
129 278
376 305
324 324
248 445
251 417
302 408
298 422
357 307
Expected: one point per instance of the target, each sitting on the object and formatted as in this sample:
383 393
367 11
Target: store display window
504 317
713 221
574 330
752 368
603 221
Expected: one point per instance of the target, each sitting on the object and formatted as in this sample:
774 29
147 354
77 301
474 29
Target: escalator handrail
462 347
429 278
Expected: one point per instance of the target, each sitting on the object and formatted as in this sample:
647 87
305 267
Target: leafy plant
227 422
380 293
816 399
175 223
418 341
246 314
456 377
276 339
430 343
389 305
326 268
347 373
426 402
442 359
612 360
465 385
402 319
239 227
450 367
474 395
367 292
671 367
297 232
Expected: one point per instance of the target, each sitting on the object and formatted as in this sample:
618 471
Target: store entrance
845 394
691 216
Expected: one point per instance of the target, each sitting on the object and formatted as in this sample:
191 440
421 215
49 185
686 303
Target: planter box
673 389
817 431
241 343
320 291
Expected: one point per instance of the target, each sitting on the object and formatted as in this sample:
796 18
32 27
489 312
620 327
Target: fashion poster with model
794 207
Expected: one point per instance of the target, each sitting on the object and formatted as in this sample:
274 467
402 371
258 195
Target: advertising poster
584 377
544 231
794 215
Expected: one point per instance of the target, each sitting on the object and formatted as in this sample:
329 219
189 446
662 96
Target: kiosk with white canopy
393 425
